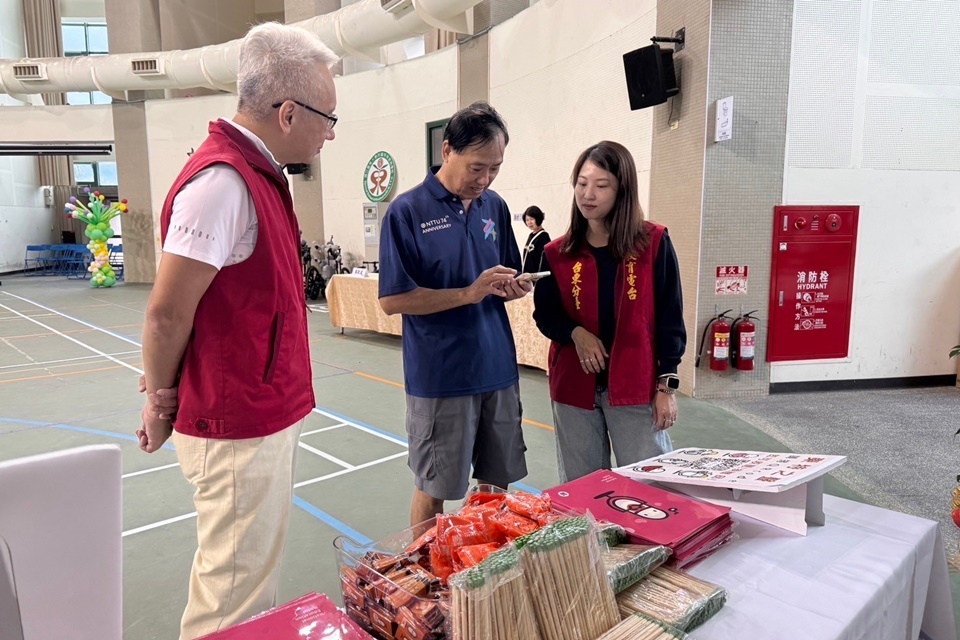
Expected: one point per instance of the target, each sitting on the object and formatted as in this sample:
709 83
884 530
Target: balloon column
97 213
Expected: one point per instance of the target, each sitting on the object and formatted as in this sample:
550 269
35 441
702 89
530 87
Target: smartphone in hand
532 277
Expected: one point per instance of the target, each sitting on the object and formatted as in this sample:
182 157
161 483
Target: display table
868 573
353 304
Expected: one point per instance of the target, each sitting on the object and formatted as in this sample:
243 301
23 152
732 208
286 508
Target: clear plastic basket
383 608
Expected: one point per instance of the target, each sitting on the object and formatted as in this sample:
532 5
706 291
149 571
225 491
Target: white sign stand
794 509
782 489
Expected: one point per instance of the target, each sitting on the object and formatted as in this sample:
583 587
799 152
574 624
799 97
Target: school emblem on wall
379 177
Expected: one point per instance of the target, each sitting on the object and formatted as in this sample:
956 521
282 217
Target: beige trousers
244 490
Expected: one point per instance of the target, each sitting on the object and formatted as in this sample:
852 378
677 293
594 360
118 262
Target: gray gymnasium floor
69 363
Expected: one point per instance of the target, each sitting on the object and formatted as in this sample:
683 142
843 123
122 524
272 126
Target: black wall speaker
651 77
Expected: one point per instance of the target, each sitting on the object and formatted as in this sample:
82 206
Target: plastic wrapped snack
491 601
568 586
640 627
629 563
673 597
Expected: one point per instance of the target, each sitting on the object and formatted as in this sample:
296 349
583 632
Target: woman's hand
593 356
664 410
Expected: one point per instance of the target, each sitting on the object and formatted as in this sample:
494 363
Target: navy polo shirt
428 241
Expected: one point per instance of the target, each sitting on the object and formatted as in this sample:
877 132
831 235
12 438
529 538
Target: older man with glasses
226 322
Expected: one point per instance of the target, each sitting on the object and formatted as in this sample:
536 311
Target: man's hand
517 287
164 401
155 431
156 417
491 282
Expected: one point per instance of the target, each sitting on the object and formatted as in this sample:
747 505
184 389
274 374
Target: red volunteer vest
631 368
246 371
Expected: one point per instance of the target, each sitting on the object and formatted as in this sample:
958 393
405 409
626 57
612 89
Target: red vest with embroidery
632 365
246 371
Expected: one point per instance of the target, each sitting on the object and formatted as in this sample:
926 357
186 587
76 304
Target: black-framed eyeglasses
331 120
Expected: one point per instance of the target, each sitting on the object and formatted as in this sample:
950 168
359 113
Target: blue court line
300 502
526 487
96 432
385 434
328 519
340 416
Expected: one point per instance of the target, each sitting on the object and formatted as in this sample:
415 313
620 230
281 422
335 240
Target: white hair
278 62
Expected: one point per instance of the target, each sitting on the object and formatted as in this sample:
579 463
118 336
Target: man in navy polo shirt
448 258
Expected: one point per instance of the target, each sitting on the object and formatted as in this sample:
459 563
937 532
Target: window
85 39
101 174
108 174
435 131
84 173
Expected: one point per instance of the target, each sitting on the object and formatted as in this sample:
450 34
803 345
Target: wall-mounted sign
379 177
723 130
731 280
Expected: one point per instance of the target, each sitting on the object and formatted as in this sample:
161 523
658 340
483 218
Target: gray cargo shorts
447 435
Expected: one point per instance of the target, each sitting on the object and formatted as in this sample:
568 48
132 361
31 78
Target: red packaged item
440 562
475 554
513 526
445 521
463 536
527 504
421 543
482 497
311 617
482 515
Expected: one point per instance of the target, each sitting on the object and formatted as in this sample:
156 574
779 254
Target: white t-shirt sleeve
212 214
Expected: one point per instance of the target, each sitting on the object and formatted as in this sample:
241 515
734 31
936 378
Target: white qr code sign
731 280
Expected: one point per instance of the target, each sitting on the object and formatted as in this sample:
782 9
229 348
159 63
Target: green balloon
96 234
93 283
90 228
102 226
109 282
109 232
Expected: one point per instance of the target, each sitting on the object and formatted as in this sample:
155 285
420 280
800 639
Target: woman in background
614 313
536 241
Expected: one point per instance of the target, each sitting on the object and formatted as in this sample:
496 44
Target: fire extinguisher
719 330
743 341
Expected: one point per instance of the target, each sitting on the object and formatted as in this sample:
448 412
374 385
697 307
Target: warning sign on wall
731 280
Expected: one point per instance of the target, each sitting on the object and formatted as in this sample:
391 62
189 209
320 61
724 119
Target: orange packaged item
421 543
463 536
482 497
482 516
440 562
527 504
475 554
513 526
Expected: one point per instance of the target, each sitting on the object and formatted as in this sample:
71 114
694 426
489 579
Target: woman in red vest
614 313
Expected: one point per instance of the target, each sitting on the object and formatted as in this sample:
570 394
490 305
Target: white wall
174 127
382 110
875 121
556 76
86 123
23 218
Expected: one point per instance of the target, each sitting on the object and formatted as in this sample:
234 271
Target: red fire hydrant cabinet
811 284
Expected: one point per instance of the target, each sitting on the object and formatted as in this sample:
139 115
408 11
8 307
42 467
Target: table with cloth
868 573
353 304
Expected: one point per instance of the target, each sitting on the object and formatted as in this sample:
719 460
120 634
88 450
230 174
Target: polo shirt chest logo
436 224
489 229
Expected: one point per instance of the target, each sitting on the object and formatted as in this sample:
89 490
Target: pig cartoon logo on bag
635 507
650 468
